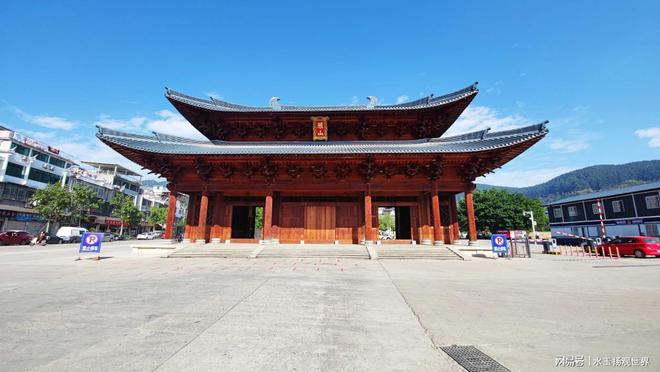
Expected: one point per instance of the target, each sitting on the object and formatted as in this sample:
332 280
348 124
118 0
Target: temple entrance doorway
394 223
246 222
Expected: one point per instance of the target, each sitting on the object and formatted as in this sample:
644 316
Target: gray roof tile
220 105
470 142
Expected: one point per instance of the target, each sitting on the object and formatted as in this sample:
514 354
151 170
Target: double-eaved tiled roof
214 104
484 140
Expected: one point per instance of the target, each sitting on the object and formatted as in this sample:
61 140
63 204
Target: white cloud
46 121
481 117
579 108
652 133
402 99
568 146
134 123
522 178
165 121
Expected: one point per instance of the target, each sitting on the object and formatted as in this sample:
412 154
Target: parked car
483 235
575 242
146 236
16 237
54 239
108 237
71 234
638 246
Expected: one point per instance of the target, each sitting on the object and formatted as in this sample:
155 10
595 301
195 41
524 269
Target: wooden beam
368 233
171 209
437 224
268 217
454 217
472 226
203 212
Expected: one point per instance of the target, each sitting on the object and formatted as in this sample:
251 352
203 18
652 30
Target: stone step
314 252
212 252
416 253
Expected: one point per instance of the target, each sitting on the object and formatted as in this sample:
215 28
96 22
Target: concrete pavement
142 313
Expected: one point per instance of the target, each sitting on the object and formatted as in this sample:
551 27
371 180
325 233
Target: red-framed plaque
320 128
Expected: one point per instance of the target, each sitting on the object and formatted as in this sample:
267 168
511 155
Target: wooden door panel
319 223
347 222
292 223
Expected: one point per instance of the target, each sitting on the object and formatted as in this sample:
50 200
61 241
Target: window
594 209
15 192
57 162
14 170
653 229
556 212
652 202
617 206
572 211
20 149
41 176
40 156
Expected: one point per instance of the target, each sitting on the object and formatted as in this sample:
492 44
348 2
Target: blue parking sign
91 243
498 243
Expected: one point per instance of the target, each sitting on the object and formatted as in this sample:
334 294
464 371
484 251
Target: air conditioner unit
24 158
51 167
44 166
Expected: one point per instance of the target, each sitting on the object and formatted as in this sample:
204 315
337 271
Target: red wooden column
190 218
454 217
437 224
368 233
203 213
218 209
472 226
268 217
171 209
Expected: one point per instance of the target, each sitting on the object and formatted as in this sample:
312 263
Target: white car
149 235
71 234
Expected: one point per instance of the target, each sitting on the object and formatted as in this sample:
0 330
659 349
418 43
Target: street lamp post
530 214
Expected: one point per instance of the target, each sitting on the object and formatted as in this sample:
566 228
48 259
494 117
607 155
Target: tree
497 209
157 216
52 203
386 222
83 199
259 218
125 209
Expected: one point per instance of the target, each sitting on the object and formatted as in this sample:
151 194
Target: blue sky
590 67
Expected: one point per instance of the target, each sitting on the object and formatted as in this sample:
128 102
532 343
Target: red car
15 237
639 246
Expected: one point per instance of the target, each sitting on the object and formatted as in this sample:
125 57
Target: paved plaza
131 312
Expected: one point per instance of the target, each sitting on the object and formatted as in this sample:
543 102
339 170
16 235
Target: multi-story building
26 166
629 211
106 180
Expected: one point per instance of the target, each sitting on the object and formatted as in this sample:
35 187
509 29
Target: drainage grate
472 359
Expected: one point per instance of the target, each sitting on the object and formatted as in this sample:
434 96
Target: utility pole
530 214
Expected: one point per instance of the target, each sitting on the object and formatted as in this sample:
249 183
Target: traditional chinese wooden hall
321 173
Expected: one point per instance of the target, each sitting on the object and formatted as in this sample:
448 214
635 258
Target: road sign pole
530 214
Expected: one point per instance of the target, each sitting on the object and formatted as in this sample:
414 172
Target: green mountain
591 179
